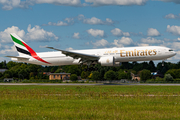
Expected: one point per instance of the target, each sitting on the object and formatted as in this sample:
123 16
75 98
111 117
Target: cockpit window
170 50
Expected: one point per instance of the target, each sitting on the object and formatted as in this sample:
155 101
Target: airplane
106 57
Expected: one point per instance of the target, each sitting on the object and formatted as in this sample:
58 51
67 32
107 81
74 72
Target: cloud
59 2
10 51
172 16
96 21
150 40
175 45
5 35
142 44
101 43
175 30
116 2
171 40
118 32
153 32
175 1
123 41
96 32
34 34
69 49
4 59
83 19
176 57
43 46
59 23
76 35
66 22
39 34
10 4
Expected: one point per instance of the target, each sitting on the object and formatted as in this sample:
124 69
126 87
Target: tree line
97 72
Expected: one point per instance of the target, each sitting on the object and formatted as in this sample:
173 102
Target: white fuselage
126 54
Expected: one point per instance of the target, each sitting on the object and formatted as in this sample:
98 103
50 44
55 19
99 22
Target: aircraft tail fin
23 49
21 46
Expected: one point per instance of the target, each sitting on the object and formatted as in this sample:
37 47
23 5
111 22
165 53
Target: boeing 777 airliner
106 57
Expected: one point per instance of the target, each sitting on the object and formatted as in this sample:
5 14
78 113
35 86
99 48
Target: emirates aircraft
106 57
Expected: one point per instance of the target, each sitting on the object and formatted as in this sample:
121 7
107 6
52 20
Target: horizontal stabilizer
22 58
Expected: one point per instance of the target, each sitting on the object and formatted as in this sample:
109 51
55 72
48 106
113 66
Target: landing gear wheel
163 63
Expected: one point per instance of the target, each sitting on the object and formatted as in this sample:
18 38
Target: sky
89 24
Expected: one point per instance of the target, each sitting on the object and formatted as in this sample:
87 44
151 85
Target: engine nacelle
107 61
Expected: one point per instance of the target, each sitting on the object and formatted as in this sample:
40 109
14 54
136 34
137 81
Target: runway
87 84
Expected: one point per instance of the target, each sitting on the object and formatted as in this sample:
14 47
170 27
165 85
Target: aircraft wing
75 55
22 58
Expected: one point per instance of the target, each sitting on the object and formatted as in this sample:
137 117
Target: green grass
89 102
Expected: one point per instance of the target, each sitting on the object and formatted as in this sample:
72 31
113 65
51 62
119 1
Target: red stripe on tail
33 54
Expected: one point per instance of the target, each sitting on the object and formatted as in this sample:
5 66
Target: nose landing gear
163 63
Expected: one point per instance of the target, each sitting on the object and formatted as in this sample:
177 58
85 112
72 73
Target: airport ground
89 102
94 84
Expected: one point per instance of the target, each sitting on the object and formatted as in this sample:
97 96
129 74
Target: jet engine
108 61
